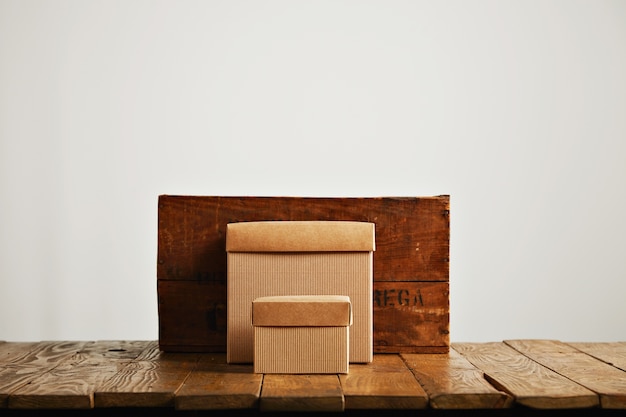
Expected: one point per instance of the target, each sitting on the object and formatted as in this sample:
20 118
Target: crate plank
412 245
411 317
412 233
71 382
192 316
386 383
310 392
453 383
606 380
215 385
530 383
613 353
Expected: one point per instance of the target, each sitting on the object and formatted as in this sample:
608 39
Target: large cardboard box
278 258
305 334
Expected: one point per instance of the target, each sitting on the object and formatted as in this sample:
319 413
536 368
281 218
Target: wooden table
514 377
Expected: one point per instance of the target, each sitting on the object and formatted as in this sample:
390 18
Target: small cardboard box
301 334
277 258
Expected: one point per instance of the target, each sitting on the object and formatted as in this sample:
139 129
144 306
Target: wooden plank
530 383
411 317
215 385
412 233
118 350
151 380
192 316
606 380
453 383
11 352
70 384
613 353
311 392
24 362
386 383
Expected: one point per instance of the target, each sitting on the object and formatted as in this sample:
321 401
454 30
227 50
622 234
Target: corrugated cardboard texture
302 310
301 350
253 275
300 236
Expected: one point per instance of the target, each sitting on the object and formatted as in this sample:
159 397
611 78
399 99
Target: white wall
515 108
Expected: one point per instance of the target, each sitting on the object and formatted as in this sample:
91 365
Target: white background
515 108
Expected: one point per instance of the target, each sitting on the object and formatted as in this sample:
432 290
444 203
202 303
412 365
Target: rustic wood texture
613 353
23 363
411 317
530 383
49 376
412 246
605 380
412 234
301 393
192 316
215 385
71 382
453 383
386 383
152 380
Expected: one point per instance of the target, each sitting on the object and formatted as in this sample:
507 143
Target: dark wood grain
412 245
411 317
412 233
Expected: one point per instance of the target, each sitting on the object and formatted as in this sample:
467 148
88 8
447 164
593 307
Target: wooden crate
411 265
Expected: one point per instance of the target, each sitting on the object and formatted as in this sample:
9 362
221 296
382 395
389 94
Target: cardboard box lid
300 236
302 310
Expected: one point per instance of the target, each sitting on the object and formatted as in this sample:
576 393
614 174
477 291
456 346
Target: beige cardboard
301 350
259 274
302 310
301 334
300 236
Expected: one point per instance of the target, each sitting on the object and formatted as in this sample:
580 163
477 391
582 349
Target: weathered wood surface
412 256
613 353
453 383
529 382
386 383
301 393
24 363
411 317
151 380
605 380
71 382
127 375
216 385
